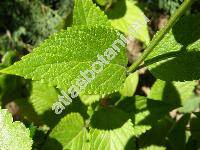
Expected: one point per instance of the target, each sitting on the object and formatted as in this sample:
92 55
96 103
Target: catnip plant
104 112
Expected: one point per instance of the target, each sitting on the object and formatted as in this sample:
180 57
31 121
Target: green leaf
69 133
130 105
89 99
32 129
111 130
27 112
87 13
127 17
176 57
130 85
153 147
8 59
140 128
112 140
191 105
172 92
38 107
42 97
157 109
104 2
148 113
13 135
144 112
59 60
8 86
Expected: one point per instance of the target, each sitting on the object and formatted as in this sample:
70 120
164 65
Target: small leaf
87 13
89 99
13 135
69 133
42 97
156 108
191 105
130 85
38 107
140 128
127 17
8 59
148 113
176 57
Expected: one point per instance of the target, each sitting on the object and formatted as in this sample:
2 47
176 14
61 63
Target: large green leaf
86 13
59 60
127 17
69 133
13 135
176 57
111 130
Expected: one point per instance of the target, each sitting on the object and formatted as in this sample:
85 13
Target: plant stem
159 36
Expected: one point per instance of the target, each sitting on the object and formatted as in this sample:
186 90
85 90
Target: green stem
159 36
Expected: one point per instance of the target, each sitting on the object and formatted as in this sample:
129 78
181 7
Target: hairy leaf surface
59 60
87 13
13 135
